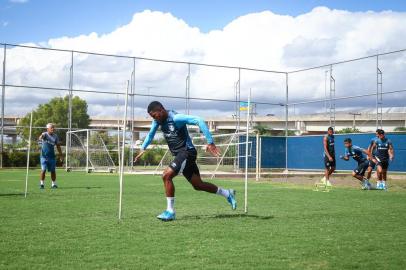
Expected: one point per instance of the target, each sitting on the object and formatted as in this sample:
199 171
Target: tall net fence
289 109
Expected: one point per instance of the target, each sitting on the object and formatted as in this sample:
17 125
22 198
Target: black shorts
329 164
384 163
371 164
361 168
185 163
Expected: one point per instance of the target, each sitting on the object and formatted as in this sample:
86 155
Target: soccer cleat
41 186
54 186
231 199
323 181
328 184
167 216
366 185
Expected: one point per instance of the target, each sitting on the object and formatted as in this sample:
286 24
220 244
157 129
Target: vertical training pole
87 150
286 122
28 158
257 158
246 154
66 150
3 95
122 154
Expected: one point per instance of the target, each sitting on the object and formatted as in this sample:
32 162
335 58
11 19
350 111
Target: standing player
48 161
372 150
329 156
174 129
360 156
384 153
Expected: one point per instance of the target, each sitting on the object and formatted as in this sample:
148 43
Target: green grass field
288 226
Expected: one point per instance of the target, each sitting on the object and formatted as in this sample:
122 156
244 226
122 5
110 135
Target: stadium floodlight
87 151
28 157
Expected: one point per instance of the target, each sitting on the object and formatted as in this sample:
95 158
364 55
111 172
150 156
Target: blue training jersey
48 145
382 148
373 140
175 132
356 153
330 145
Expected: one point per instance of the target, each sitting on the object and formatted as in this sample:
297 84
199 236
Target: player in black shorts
360 156
174 128
329 156
384 154
372 150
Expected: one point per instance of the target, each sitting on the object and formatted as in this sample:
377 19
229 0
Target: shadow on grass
226 216
11 194
78 187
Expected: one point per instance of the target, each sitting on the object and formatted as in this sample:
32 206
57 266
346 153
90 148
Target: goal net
87 151
231 160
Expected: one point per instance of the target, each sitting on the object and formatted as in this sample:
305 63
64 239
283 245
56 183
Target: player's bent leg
167 177
169 214
192 174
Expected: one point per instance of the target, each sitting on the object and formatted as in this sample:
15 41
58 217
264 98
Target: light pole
353 121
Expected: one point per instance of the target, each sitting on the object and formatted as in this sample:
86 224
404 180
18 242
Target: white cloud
263 40
5 24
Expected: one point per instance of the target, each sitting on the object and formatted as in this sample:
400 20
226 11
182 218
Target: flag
243 106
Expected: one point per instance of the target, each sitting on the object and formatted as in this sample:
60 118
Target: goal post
87 151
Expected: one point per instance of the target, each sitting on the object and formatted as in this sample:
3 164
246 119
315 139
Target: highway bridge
301 124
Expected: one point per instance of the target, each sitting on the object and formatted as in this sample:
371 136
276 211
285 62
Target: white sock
378 182
170 203
41 182
384 183
53 183
223 192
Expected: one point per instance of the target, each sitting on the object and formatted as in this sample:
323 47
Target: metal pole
122 155
3 95
69 137
28 158
132 115
246 155
187 90
286 121
257 158
238 116
87 150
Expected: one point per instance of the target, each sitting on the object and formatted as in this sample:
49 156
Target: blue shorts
48 164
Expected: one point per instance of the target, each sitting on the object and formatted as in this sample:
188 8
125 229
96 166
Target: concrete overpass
308 123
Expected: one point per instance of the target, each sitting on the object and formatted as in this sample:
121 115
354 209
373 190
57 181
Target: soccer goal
230 161
86 151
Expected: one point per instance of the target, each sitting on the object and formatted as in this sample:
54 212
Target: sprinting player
372 150
384 154
48 161
174 128
360 156
329 156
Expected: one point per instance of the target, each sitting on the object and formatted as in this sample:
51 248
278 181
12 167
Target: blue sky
40 20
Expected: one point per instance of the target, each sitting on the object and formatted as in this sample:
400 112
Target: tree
262 130
56 111
348 130
400 129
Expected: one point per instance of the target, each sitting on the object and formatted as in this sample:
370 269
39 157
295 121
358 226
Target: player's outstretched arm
213 149
391 152
148 139
198 121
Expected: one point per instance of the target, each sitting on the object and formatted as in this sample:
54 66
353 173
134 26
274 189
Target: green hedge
19 159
